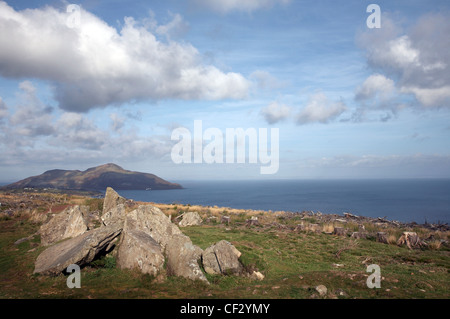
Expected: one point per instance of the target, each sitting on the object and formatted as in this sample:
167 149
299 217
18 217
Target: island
94 179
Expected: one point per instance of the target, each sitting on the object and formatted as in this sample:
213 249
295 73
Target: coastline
295 252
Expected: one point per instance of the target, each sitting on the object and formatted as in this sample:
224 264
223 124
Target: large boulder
114 216
138 250
67 224
154 222
182 258
180 253
111 201
80 250
222 258
190 219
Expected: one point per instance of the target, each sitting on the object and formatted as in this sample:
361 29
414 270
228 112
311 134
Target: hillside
95 178
294 260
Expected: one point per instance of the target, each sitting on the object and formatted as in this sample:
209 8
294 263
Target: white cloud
31 117
275 112
430 97
35 132
94 65
376 85
226 6
320 109
173 29
418 60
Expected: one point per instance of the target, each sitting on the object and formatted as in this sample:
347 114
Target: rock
111 201
190 219
340 292
80 250
115 215
225 220
410 239
299 227
359 235
69 223
322 290
212 219
382 237
138 250
256 275
182 258
181 254
252 221
22 240
340 231
222 258
154 222
314 228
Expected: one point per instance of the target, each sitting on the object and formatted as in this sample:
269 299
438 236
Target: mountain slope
95 178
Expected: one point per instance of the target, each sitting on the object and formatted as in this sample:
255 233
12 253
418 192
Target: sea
406 200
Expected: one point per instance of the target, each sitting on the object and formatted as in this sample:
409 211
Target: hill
95 178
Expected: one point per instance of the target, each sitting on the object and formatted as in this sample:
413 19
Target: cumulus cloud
91 64
226 6
418 59
31 117
376 85
320 109
275 112
35 132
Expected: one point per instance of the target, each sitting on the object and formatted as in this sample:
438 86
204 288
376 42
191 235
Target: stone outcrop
154 222
110 203
182 258
149 242
190 219
138 250
381 237
115 215
340 231
79 250
410 239
222 258
69 223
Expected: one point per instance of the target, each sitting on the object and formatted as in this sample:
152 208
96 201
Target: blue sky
349 101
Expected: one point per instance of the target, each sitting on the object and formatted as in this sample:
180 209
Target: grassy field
293 264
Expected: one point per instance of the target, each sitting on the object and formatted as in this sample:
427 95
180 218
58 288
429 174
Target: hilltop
95 178
300 255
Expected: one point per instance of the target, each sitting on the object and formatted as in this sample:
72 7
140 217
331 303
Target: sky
92 82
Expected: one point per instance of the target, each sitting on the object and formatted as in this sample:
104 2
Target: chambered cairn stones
141 237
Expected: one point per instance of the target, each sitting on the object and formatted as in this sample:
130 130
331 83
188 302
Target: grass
293 264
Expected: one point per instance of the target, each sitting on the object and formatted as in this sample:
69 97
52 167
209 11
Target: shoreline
345 217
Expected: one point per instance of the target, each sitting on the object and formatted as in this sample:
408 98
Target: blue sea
408 200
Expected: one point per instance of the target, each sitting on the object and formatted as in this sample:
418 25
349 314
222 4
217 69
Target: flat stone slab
79 250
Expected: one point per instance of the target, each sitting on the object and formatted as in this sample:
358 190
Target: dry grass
328 228
392 240
434 245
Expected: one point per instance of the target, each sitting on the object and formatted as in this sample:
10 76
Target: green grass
292 263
